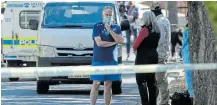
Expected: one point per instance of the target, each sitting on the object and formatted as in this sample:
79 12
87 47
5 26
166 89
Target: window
25 16
83 14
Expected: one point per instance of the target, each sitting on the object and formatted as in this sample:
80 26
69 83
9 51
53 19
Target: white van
65 38
18 41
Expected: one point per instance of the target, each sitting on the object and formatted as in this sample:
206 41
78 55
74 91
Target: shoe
127 57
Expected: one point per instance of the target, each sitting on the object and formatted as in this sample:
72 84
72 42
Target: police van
19 43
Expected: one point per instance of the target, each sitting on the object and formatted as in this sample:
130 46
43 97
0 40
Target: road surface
23 92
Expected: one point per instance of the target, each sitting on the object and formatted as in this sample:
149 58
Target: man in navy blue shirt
106 35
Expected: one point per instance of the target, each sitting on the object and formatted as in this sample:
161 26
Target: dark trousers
147 88
128 34
128 41
146 81
173 48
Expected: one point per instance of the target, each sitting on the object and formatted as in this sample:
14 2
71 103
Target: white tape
29 72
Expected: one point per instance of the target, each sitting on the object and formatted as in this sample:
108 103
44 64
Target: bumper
48 61
22 58
66 80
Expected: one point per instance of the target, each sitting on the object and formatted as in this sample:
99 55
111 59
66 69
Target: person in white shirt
163 51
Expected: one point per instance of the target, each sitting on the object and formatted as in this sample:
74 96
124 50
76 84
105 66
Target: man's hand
119 39
107 26
101 43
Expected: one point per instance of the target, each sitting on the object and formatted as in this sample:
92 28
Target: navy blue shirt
105 54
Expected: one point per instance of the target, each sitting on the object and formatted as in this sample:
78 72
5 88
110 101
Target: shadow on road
74 92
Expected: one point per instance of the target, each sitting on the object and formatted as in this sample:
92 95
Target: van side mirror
33 24
125 25
2 10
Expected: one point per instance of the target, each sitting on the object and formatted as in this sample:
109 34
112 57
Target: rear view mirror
125 25
33 24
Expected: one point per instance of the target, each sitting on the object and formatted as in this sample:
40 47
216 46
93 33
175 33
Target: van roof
64 1
24 4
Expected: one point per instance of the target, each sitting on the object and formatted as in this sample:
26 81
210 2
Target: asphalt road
23 92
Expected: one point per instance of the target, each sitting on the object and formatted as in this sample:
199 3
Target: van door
19 42
8 34
26 38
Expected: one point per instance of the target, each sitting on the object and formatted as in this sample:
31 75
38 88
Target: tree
212 8
202 44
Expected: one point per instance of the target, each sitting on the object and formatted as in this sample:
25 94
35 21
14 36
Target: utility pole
173 14
166 8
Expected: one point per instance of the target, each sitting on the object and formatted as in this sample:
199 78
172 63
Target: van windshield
68 15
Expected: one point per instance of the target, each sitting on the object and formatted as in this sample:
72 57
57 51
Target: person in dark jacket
176 38
145 47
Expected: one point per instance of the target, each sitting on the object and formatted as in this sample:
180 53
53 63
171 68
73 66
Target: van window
25 16
83 14
2 10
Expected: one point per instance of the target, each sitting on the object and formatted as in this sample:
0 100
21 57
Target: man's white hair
108 8
149 18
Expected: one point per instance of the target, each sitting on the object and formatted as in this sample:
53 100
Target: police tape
32 72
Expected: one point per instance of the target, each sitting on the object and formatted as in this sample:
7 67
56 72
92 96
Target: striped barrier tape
32 72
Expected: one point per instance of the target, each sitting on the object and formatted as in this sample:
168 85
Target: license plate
79 76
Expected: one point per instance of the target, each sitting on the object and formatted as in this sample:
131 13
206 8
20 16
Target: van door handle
12 44
16 35
12 34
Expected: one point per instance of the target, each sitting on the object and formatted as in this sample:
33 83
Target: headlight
46 51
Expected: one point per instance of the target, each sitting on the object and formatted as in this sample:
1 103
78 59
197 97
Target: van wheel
31 64
13 64
116 87
13 79
42 87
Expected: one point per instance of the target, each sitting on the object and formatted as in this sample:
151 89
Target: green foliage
212 11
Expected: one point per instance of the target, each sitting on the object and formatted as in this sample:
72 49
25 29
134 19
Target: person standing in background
132 15
176 38
122 9
163 51
186 60
145 47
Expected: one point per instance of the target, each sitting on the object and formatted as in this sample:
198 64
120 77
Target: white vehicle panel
66 38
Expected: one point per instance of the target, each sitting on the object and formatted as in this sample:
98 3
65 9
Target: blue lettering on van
26 5
36 5
19 42
22 42
14 5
